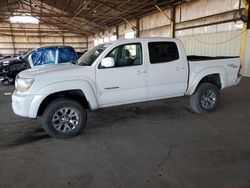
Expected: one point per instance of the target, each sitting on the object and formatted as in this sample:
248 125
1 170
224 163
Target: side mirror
108 62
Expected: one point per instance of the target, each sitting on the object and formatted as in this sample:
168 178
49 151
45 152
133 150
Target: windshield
91 55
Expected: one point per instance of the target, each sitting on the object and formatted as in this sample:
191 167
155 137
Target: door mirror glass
108 62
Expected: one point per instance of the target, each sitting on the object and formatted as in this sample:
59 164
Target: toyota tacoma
118 73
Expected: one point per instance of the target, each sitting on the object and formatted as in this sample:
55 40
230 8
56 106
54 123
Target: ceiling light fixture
24 19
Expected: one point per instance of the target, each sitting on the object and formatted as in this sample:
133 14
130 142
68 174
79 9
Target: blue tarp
47 55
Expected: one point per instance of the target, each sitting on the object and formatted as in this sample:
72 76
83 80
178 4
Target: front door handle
141 71
179 68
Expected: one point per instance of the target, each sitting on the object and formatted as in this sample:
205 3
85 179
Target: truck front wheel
64 118
205 98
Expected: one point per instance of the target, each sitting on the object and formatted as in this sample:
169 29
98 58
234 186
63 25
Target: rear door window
163 52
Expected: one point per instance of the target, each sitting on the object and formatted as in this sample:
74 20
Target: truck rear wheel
64 118
205 98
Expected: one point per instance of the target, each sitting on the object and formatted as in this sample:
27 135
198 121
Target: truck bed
226 67
203 58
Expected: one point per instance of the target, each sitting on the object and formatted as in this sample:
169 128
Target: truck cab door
167 70
126 81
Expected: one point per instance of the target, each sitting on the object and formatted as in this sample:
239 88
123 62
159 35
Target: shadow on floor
27 138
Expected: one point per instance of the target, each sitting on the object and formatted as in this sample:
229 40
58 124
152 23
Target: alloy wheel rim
208 99
65 120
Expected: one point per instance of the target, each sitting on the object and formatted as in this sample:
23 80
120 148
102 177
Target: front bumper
26 105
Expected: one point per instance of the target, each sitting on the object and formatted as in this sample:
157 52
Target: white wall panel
246 68
213 44
90 41
157 32
214 40
200 8
29 36
5 38
23 46
154 20
5 46
126 28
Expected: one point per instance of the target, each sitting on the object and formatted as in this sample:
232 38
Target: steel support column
138 27
244 37
87 42
171 18
13 39
117 31
63 39
173 9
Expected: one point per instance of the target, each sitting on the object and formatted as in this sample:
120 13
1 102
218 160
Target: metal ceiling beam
93 27
70 27
98 14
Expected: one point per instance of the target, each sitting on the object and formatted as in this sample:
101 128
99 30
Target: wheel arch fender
196 80
52 88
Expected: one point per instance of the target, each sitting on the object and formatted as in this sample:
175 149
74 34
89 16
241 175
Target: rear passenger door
167 74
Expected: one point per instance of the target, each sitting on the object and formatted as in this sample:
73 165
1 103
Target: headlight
5 63
23 84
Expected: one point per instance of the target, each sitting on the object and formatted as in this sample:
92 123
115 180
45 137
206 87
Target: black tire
201 101
70 111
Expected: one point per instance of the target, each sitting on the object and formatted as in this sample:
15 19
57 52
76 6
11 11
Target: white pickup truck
118 73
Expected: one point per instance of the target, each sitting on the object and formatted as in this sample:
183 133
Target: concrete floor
155 144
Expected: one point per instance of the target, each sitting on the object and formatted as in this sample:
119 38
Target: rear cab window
162 52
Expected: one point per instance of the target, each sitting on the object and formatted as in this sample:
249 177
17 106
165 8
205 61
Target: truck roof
141 39
54 46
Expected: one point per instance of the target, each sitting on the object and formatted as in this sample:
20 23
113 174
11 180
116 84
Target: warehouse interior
154 144
213 28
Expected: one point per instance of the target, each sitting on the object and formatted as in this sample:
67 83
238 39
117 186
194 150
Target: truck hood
54 73
10 61
52 69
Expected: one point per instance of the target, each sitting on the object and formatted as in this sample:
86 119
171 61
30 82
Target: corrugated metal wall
29 36
215 40
213 43
206 27
219 39
154 25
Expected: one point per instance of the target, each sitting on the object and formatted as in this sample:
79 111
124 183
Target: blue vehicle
10 67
